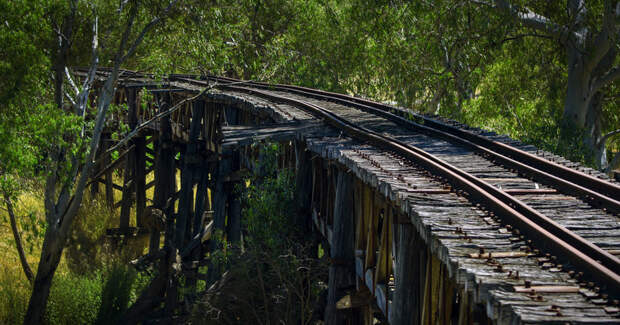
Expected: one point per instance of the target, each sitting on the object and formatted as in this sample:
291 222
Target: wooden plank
509 254
140 179
546 289
360 226
405 308
114 186
370 221
342 248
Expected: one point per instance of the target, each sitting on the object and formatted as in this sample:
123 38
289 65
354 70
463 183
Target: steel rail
597 191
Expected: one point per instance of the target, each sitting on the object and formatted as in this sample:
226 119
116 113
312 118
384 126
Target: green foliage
116 293
74 299
268 203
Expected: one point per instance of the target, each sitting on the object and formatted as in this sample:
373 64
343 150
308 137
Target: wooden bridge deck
423 251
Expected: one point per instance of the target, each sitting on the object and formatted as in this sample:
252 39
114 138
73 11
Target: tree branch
146 29
608 78
76 90
608 135
18 238
533 20
105 99
615 163
604 40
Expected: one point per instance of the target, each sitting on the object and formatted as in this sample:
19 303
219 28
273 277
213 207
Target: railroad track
517 207
546 233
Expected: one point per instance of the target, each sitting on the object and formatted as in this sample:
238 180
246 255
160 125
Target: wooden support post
202 200
233 227
406 296
128 187
129 183
140 179
164 171
109 181
234 218
341 270
140 159
303 188
221 191
190 161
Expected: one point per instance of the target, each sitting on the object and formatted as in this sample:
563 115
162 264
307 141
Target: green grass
89 286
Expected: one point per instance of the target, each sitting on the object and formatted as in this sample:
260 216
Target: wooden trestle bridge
427 221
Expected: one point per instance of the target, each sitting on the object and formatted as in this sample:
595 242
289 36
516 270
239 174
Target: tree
589 34
65 185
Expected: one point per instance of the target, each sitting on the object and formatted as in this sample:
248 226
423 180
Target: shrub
116 293
74 299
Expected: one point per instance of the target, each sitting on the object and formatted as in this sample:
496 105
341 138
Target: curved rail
598 192
546 233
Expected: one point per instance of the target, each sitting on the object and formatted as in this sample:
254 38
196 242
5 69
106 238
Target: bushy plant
74 299
116 293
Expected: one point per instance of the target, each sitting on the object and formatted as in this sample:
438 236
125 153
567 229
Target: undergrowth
92 285
274 278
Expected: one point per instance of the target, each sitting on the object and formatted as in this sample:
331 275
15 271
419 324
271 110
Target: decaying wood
341 274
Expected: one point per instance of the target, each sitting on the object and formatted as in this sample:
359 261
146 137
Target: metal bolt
528 283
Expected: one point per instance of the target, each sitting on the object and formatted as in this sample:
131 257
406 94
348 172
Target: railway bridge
427 221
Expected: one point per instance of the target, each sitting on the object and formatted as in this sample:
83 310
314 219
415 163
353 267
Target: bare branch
76 90
70 99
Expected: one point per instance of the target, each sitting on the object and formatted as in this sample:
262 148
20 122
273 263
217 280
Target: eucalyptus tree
589 33
72 161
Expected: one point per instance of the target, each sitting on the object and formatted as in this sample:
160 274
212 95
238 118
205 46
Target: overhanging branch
533 20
